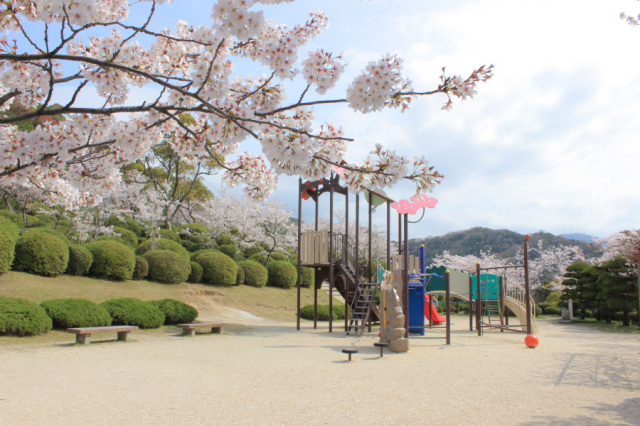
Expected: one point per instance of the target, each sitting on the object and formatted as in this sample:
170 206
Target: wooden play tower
335 256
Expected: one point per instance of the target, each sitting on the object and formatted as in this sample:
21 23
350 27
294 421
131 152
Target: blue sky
550 143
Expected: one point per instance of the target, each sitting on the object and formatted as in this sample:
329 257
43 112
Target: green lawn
268 302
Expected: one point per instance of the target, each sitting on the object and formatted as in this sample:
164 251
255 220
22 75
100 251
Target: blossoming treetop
55 50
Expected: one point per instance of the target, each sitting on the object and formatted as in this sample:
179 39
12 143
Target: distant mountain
502 242
580 237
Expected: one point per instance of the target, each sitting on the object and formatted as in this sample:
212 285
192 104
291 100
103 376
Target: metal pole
331 277
315 284
527 290
447 290
345 254
389 235
370 229
299 247
405 276
501 284
478 301
470 303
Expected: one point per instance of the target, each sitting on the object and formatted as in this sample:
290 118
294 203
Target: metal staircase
493 312
363 300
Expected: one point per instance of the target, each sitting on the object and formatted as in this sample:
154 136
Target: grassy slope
268 302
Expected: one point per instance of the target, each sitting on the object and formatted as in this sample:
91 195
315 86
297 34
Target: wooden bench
83 334
190 328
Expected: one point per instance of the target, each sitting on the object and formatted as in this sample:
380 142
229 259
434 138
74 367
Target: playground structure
336 257
490 301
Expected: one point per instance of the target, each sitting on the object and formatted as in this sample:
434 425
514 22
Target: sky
549 143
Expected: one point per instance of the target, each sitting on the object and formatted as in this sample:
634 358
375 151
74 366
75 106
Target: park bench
83 334
190 328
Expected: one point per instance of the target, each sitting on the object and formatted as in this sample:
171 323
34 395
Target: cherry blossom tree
57 50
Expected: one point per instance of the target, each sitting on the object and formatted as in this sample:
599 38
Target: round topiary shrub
128 223
167 267
129 311
196 273
175 311
553 310
228 249
306 312
198 253
128 236
240 276
7 250
282 274
258 257
307 276
80 260
254 273
10 227
168 234
141 270
13 217
163 244
20 317
41 253
67 313
278 256
111 260
218 268
49 231
225 239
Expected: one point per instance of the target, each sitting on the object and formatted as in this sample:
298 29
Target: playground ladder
492 308
363 300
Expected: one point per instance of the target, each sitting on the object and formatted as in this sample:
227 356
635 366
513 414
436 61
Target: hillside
501 242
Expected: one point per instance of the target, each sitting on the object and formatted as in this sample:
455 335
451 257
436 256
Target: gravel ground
260 372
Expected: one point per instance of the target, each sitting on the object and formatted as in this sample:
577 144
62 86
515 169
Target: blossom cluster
191 98
380 85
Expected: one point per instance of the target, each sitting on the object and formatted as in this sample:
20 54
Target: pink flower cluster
417 202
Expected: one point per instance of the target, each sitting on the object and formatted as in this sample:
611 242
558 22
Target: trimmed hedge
21 317
141 270
167 267
10 227
240 276
196 273
49 231
67 313
80 260
282 274
175 311
111 260
168 234
128 236
307 277
130 311
163 244
228 249
198 253
7 249
218 268
306 312
255 274
41 253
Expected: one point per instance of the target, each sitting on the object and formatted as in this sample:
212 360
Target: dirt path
268 373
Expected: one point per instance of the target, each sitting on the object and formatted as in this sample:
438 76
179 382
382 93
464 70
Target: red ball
531 341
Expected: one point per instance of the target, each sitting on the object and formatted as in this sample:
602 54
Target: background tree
573 282
617 283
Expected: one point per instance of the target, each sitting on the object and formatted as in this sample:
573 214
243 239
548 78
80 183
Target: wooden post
389 235
478 301
369 253
527 290
315 284
447 305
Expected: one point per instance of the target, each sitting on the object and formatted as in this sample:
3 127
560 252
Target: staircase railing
518 292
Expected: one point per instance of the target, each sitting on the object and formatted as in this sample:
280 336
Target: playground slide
429 309
520 310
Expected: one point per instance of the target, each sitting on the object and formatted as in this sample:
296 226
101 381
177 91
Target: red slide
429 309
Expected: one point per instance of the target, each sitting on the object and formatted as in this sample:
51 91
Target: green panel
436 284
489 285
